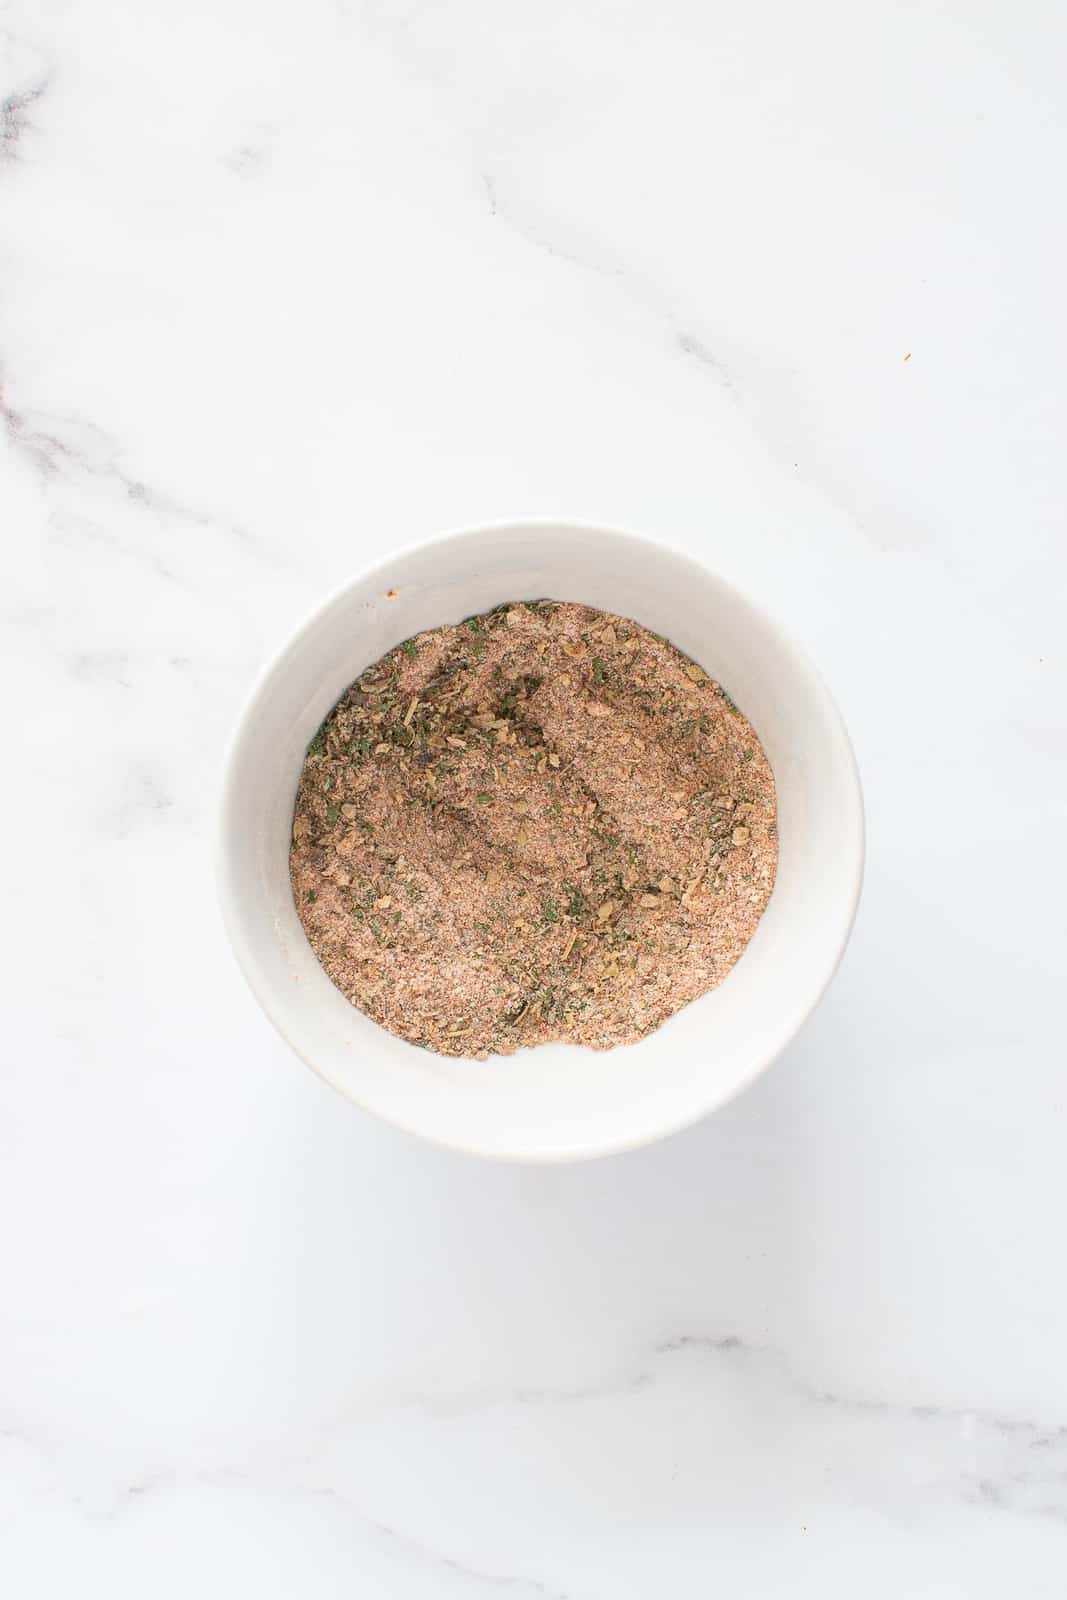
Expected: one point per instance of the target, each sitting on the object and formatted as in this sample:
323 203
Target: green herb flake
598 670
410 648
576 905
549 909
332 813
483 799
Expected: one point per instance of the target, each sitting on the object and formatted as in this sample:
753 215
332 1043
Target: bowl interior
557 1101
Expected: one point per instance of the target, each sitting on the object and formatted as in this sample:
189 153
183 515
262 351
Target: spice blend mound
543 823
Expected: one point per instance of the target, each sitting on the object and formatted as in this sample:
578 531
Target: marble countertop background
280 287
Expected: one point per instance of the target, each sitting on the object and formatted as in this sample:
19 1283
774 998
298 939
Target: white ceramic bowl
556 1102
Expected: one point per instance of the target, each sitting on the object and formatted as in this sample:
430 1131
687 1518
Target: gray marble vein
18 103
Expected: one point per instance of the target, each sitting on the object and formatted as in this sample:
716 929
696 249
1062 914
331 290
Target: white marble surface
280 286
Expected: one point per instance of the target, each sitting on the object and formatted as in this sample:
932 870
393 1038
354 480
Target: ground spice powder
544 823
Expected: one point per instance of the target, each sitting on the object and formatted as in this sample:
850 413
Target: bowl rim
240 941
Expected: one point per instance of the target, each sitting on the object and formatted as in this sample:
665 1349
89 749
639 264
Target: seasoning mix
543 823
